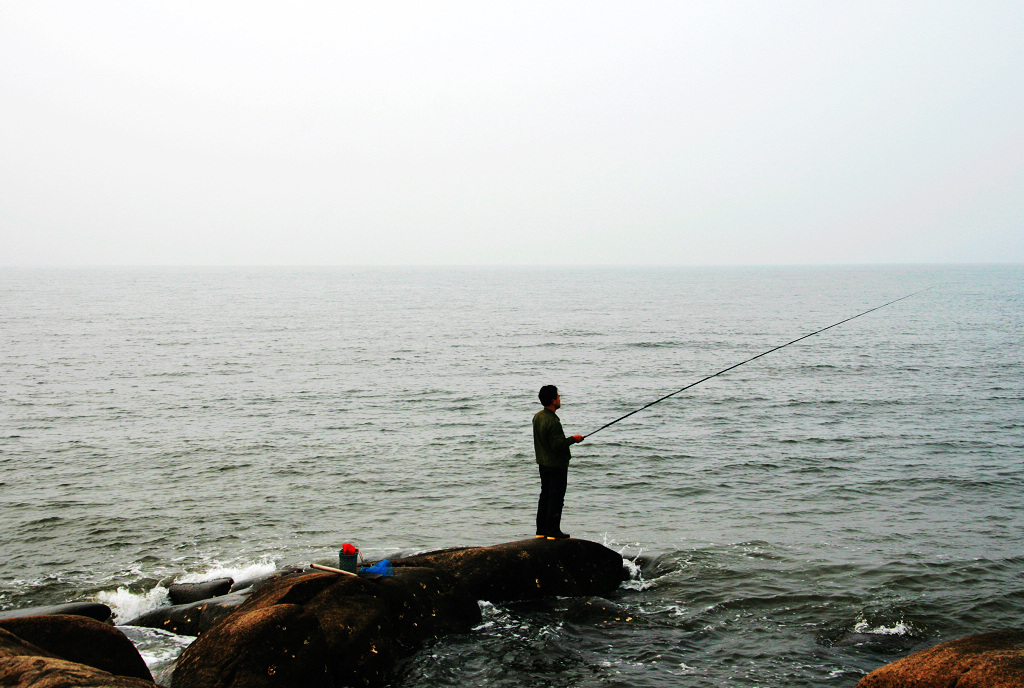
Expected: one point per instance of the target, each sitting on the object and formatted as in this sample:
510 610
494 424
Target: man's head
548 395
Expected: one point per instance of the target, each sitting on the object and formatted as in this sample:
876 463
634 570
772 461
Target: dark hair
548 393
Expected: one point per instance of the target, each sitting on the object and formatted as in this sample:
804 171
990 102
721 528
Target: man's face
557 403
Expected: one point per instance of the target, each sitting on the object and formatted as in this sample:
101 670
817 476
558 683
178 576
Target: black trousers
553 481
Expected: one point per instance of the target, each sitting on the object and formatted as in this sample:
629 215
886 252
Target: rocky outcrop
61 651
528 569
323 629
989 660
315 628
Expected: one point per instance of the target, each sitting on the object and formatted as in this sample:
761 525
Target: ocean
798 521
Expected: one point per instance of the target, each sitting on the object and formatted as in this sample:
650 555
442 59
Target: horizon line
583 266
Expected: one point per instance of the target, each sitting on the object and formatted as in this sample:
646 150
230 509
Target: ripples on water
798 521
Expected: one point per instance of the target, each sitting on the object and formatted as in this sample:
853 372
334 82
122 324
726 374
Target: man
552 449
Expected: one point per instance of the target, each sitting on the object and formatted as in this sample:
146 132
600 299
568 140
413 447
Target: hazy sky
336 133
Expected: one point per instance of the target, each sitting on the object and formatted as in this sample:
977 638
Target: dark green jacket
549 441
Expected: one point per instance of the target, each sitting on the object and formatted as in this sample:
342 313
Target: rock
13 646
47 672
93 610
198 616
190 619
277 645
81 640
528 569
323 629
371 624
989 660
25 664
186 593
599 611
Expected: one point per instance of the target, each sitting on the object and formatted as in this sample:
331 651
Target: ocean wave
126 604
238 573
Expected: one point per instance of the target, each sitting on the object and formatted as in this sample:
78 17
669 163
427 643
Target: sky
750 132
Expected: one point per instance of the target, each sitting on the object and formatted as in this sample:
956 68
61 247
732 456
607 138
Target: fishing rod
763 353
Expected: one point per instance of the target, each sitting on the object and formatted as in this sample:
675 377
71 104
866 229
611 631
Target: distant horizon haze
597 133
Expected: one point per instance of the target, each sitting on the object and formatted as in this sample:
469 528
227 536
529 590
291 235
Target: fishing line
763 353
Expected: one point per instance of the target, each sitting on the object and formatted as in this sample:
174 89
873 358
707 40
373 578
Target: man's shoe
558 536
541 536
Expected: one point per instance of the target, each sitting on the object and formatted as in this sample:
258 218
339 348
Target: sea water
799 521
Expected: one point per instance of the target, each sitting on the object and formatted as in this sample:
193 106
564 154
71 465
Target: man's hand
578 438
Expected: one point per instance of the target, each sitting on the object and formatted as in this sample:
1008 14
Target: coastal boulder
598 611
94 610
276 645
322 629
82 640
184 593
46 672
92 654
528 569
989 660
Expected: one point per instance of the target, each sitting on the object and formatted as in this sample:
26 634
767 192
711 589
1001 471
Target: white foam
236 573
636 575
638 584
900 628
127 605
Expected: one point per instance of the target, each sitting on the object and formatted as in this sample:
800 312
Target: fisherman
552 449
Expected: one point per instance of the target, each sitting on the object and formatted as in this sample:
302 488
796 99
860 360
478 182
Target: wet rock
45 672
213 604
277 645
190 619
13 646
93 610
598 611
989 660
82 640
63 651
321 629
186 593
528 569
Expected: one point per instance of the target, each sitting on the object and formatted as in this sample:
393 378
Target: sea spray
240 574
127 605
898 628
